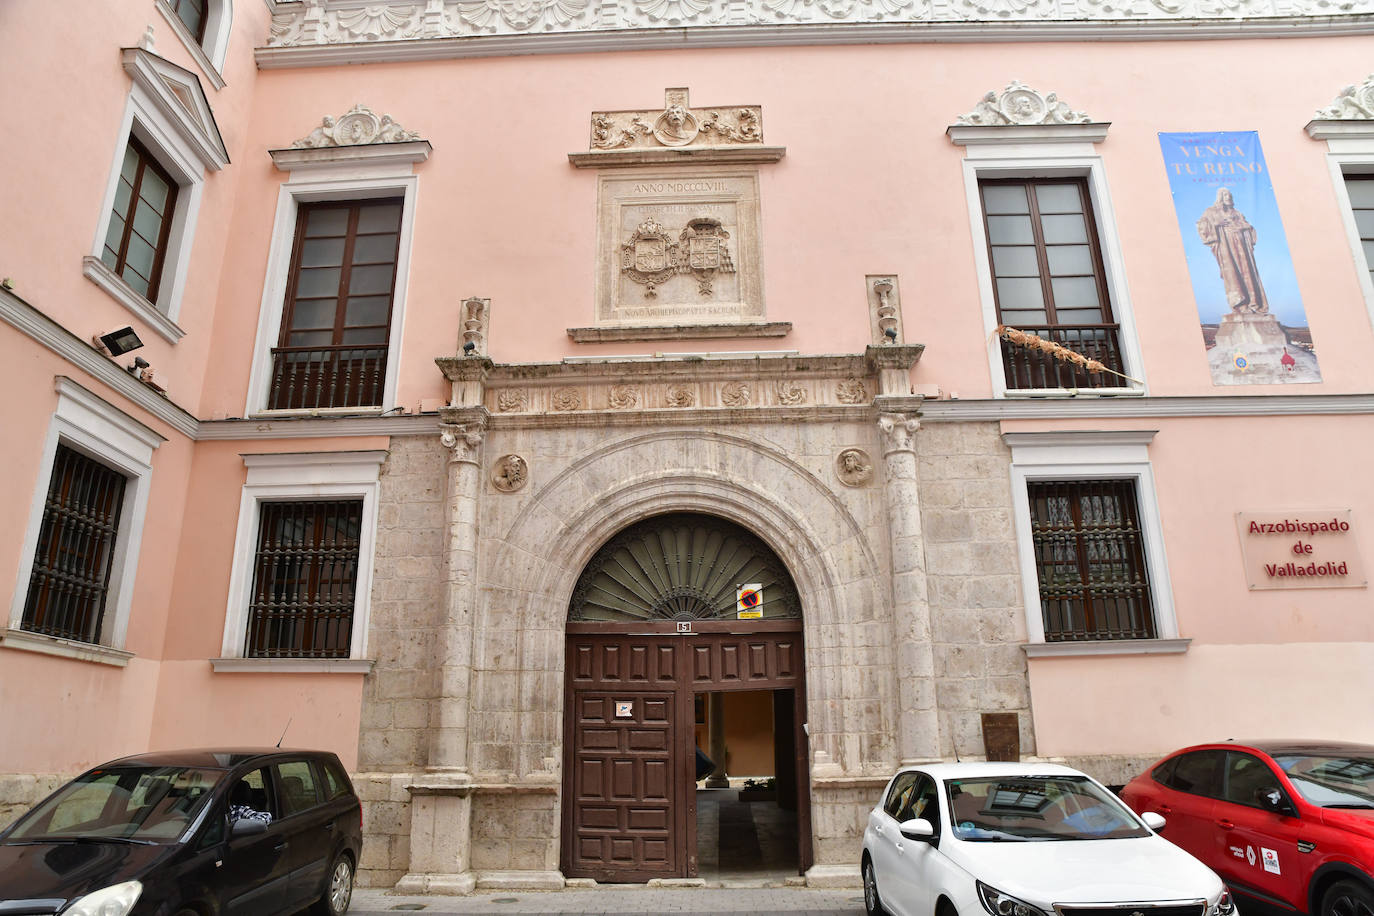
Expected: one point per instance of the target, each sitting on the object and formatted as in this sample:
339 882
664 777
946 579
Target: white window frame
342 174
1092 455
219 18
1350 153
1048 151
187 145
304 477
102 432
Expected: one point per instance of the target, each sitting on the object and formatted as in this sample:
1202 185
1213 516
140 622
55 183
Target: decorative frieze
347 22
677 125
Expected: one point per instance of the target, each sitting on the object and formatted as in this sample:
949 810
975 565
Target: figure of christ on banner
1253 322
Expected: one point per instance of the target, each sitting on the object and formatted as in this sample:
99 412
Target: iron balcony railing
305 378
1027 368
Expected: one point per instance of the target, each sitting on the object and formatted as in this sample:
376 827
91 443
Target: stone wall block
951 559
387 817
960 661
945 526
411 714
992 591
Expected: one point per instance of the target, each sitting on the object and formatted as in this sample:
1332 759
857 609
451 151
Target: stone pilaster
441 800
918 733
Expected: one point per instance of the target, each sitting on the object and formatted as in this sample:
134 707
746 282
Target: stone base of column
440 836
521 881
446 885
837 876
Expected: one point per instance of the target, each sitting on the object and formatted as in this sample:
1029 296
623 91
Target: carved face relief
853 467
509 473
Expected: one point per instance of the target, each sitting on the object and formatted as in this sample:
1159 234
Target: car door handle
1164 809
279 847
1225 824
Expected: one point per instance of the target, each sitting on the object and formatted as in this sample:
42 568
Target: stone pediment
1350 115
178 93
1026 114
359 134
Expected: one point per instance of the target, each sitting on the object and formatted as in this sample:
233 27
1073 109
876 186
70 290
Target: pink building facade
494 354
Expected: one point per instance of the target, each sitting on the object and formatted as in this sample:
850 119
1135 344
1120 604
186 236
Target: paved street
622 899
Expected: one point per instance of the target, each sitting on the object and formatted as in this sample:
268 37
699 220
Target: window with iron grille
136 240
1048 279
332 350
71 567
304 579
1090 560
1361 191
192 13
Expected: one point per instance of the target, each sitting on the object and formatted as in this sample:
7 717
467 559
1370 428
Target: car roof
211 758
981 769
1279 747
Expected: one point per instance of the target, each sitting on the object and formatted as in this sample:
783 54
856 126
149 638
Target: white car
1021 839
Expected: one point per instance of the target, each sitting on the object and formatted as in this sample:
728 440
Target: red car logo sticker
1271 860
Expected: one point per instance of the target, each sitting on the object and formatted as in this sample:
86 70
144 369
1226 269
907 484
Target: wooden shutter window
141 221
71 566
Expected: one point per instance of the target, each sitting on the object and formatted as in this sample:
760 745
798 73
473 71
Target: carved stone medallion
511 400
851 391
1019 104
509 473
677 125
357 126
735 394
681 396
567 399
624 397
790 393
853 467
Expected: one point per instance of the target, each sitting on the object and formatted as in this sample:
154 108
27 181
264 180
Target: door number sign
624 709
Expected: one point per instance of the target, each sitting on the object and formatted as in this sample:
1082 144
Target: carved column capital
463 440
899 431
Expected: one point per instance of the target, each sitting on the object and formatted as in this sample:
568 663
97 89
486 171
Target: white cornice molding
192 46
1004 134
99 273
326 47
1106 647
331 157
97 406
42 329
1327 129
1248 405
1097 437
292 665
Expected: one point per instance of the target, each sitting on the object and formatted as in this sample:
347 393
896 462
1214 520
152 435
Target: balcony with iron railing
308 378
1034 369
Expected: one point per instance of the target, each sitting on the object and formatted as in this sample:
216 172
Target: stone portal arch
535 562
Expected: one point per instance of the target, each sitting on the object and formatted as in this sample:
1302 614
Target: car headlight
1222 906
115 900
1000 904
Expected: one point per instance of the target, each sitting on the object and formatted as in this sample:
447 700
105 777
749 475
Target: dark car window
252 796
1198 773
900 795
298 787
924 802
147 804
335 782
1246 774
1164 773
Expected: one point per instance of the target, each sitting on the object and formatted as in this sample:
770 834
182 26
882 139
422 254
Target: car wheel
873 904
338 889
1348 898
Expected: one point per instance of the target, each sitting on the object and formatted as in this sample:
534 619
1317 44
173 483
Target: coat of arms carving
650 256
704 240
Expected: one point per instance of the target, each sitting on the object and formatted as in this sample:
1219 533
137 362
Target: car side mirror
1271 799
1153 820
248 826
918 828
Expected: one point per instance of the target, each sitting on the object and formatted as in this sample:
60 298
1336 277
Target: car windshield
137 804
1025 808
1331 781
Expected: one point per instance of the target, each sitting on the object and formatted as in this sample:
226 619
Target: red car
1285 823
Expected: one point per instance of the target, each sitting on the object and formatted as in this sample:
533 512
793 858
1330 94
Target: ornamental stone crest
509 473
851 391
853 467
624 397
1021 105
681 396
651 257
567 399
356 127
735 394
790 394
1355 103
677 125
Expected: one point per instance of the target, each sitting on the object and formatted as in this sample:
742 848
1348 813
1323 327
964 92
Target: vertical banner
1248 304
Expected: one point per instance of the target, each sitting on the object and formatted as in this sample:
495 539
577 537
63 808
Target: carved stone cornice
726 133
468 375
374 30
892 363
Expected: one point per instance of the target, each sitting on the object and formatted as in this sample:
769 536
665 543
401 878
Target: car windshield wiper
36 840
1351 805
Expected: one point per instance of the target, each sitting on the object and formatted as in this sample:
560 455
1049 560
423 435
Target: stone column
715 714
918 731
441 799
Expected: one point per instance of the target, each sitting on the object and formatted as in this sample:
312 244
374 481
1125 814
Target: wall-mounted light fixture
120 341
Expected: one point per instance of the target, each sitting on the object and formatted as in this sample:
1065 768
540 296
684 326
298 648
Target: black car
189 833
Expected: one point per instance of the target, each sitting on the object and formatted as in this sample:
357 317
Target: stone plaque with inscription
1312 548
679 246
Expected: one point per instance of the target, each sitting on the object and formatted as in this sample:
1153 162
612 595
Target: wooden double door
629 790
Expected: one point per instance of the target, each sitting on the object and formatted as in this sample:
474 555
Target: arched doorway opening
677 625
